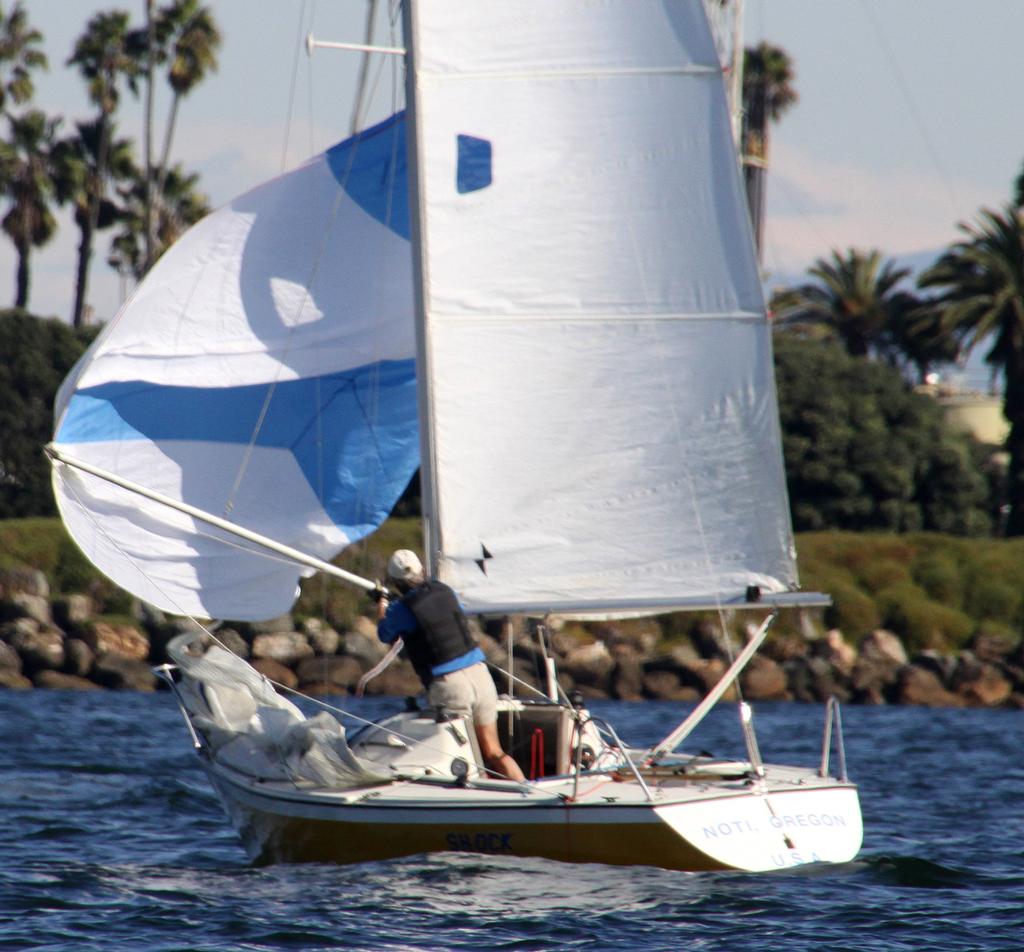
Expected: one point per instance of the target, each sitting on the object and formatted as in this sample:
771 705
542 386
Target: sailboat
537 284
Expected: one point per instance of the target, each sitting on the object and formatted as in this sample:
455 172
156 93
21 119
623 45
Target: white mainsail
598 405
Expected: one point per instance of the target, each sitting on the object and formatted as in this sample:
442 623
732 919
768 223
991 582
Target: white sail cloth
248 726
600 402
597 400
264 371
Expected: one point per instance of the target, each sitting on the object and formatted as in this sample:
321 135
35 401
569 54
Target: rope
381 665
209 632
295 323
915 113
291 89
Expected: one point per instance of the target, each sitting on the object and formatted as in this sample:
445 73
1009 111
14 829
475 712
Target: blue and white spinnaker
264 372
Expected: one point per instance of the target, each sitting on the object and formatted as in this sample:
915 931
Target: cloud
816 205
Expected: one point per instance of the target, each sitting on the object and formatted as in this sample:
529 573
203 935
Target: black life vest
443 632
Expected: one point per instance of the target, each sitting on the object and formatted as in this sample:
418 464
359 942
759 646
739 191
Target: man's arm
394 621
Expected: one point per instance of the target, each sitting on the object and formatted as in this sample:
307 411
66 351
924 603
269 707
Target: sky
908 121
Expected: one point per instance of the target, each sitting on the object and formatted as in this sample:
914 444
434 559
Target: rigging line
233 543
321 482
792 196
530 687
397 80
392 62
364 99
370 95
915 113
430 748
299 309
101 530
359 102
378 343
310 105
291 90
371 409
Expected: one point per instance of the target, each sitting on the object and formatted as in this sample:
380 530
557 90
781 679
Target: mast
736 77
428 490
726 20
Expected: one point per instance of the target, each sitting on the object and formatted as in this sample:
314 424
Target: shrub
994 599
941 577
853 612
922 623
37 354
73 571
31 542
876 576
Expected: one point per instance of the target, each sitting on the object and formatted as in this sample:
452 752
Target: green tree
104 56
180 205
38 354
864 452
856 299
767 93
26 174
915 338
19 56
982 293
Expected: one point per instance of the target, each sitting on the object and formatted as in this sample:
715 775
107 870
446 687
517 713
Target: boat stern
774 830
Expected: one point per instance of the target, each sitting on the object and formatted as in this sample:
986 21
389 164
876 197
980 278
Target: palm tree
857 298
77 170
104 57
192 38
983 300
183 36
26 171
915 336
18 56
180 206
767 93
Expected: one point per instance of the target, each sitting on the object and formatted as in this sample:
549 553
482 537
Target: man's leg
494 757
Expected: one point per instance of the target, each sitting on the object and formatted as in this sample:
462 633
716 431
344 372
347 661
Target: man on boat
433 627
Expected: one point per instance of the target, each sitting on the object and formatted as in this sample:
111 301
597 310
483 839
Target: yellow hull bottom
272 838
738 832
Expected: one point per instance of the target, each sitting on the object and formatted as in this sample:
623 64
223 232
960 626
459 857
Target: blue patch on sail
474 169
371 168
354 434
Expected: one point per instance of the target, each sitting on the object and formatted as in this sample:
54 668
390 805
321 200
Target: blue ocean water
112 840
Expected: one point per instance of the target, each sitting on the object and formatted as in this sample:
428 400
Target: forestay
263 371
602 428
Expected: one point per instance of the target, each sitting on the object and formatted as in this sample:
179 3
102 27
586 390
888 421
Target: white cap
405 566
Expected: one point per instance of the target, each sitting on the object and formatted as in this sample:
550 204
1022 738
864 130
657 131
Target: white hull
791 818
298 790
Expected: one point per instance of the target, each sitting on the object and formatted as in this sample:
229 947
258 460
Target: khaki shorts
469 691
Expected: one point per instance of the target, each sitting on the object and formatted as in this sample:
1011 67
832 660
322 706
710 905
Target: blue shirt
399 620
